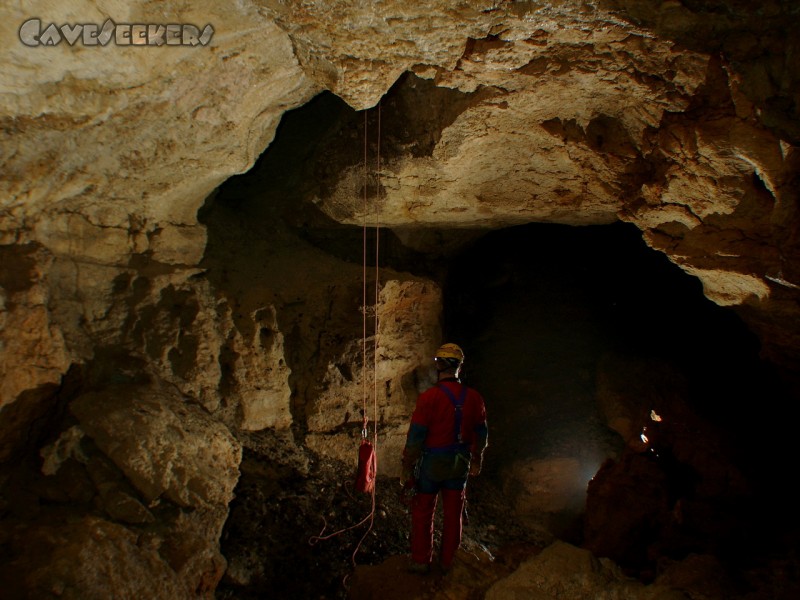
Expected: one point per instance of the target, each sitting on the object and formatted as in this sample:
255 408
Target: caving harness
458 444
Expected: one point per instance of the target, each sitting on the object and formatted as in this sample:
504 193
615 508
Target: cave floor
270 543
287 498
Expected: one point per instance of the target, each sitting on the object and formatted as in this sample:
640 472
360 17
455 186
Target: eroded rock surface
155 440
139 488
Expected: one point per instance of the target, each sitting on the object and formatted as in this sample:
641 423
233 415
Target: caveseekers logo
34 33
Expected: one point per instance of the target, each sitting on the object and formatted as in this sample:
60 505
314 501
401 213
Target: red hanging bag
367 467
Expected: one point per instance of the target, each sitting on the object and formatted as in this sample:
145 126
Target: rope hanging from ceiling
367 467
366 476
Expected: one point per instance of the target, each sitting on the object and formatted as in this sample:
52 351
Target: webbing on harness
458 404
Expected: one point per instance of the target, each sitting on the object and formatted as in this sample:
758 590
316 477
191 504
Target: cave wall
680 119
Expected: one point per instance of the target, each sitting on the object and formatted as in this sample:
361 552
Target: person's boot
419 568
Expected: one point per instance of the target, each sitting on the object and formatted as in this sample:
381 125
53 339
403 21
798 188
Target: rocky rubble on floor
298 529
301 530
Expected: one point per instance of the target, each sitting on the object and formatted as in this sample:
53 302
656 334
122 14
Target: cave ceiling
678 117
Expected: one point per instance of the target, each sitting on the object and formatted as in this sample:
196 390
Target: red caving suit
439 460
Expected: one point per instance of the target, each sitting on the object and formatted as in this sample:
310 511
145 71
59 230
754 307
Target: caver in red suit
444 446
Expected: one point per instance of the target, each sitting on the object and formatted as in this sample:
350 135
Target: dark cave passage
548 315
545 303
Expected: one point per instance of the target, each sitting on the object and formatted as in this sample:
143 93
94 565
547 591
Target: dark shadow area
575 293
726 29
548 314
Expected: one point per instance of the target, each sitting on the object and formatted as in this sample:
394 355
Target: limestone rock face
168 323
27 323
408 333
586 119
536 139
102 121
358 50
113 127
563 571
163 446
142 485
116 563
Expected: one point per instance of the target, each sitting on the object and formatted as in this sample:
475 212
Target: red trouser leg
422 509
453 506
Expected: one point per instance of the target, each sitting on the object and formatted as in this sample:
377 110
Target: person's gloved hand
407 480
408 465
